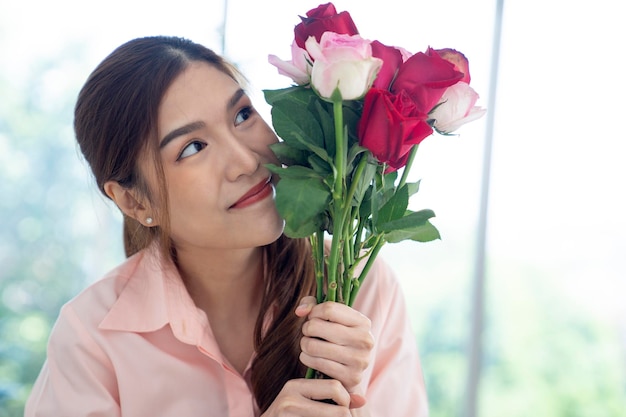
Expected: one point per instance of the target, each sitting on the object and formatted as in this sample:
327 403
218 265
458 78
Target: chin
266 232
278 230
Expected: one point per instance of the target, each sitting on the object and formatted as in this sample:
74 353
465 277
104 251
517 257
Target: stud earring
149 220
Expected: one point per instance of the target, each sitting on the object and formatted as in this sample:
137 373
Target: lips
257 193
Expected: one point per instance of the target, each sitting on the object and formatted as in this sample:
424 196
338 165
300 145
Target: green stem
358 236
380 241
340 150
348 221
348 260
317 241
338 200
407 167
354 183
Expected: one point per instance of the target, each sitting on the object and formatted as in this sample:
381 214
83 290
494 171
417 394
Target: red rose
390 126
323 18
425 77
392 59
457 59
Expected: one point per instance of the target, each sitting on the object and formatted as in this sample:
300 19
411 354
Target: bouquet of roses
356 116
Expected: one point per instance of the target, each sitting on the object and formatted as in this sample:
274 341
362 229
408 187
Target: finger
319 350
349 376
311 398
325 389
305 306
339 313
357 400
339 334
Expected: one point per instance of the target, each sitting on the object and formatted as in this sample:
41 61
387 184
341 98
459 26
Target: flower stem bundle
355 117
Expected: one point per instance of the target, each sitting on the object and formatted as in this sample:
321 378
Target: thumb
305 306
357 400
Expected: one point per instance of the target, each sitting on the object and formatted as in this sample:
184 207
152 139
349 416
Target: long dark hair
115 123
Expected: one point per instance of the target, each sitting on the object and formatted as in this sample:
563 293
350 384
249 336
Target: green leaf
324 114
385 182
295 125
299 129
300 202
289 155
295 171
424 233
375 203
385 187
409 221
365 181
320 166
353 152
365 209
304 229
414 187
394 208
296 93
352 111
303 120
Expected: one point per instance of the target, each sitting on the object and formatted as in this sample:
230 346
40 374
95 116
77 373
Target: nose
241 159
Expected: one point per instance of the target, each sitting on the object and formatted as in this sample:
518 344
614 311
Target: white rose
456 107
342 62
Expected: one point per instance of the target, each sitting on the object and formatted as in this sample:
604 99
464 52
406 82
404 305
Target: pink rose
298 69
324 18
390 126
344 63
425 76
456 107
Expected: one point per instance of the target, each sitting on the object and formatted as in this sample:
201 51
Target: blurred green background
555 318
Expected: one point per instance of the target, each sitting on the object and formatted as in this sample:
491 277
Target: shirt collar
153 296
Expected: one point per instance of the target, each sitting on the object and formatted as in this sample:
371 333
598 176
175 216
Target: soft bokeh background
555 318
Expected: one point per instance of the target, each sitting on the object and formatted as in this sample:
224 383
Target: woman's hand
336 341
300 398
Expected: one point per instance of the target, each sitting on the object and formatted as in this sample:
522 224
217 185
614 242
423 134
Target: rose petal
390 127
425 77
457 59
323 18
392 59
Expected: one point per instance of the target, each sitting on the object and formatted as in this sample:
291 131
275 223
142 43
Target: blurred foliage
45 235
547 354
545 357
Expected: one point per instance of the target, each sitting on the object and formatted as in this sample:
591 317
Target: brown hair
115 123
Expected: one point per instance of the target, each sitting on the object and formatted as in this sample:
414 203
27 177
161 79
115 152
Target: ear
127 200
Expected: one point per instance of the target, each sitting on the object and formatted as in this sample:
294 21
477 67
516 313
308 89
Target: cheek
269 138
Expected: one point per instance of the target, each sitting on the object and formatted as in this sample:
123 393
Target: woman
212 313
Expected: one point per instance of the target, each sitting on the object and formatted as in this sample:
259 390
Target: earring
149 220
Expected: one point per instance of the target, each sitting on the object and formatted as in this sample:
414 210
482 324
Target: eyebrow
235 98
193 126
183 130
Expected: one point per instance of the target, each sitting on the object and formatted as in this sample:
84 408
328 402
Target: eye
243 115
191 149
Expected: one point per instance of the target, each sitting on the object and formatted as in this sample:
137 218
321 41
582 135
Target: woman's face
213 145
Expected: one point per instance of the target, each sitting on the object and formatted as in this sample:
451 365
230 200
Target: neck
224 282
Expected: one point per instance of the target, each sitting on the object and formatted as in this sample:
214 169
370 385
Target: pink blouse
135 344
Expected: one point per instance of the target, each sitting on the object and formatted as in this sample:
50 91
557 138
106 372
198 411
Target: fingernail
357 400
